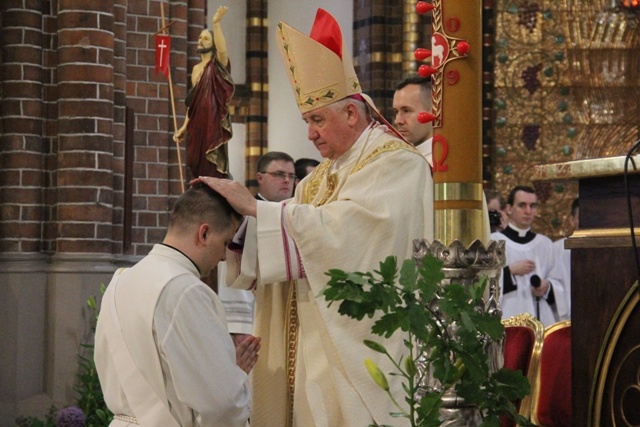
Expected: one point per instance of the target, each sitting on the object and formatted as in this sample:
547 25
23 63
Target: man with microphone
530 281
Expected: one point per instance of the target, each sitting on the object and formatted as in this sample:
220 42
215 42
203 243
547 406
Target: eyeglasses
282 175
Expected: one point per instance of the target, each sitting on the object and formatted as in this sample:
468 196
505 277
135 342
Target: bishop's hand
238 196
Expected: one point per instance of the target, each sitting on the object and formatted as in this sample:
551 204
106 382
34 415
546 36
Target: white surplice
521 300
238 304
426 148
175 330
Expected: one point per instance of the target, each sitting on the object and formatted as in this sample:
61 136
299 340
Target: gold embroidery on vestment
315 181
292 328
330 187
387 147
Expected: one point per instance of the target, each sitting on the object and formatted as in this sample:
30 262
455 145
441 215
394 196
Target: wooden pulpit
604 292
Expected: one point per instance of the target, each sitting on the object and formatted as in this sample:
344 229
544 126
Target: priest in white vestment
162 350
531 282
369 199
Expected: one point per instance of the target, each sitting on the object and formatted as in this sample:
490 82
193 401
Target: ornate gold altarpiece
566 79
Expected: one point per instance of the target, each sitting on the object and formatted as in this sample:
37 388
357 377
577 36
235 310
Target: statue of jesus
207 125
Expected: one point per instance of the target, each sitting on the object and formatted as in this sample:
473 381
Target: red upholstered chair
551 404
522 343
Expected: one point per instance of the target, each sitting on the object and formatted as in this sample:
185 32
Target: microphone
536 282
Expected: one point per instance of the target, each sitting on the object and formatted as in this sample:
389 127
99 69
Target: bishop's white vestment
348 214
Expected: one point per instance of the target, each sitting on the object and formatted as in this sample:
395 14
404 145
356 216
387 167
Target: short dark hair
415 79
301 166
575 205
514 190
490 194
200 204
271 156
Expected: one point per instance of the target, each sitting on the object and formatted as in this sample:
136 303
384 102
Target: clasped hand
247 348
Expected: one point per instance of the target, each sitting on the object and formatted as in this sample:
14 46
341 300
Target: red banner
163 49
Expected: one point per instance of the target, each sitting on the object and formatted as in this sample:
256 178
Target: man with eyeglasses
275 176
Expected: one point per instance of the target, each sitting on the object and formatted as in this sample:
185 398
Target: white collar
521 232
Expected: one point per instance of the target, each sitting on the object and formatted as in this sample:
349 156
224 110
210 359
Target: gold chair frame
528 321
535 386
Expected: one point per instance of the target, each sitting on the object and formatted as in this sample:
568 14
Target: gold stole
291 320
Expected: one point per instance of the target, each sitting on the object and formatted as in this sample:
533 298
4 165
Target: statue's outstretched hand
217 17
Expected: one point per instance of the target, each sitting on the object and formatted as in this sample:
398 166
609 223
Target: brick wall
155 171
71 72
88 170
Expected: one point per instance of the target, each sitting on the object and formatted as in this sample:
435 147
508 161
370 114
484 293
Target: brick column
21 144
82 173
22 267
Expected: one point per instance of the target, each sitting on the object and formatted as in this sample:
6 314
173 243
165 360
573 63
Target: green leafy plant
49 421
90 398
444 329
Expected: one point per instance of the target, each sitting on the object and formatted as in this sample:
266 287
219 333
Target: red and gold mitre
319 65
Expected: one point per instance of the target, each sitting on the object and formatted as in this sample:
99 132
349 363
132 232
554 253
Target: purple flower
71 416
